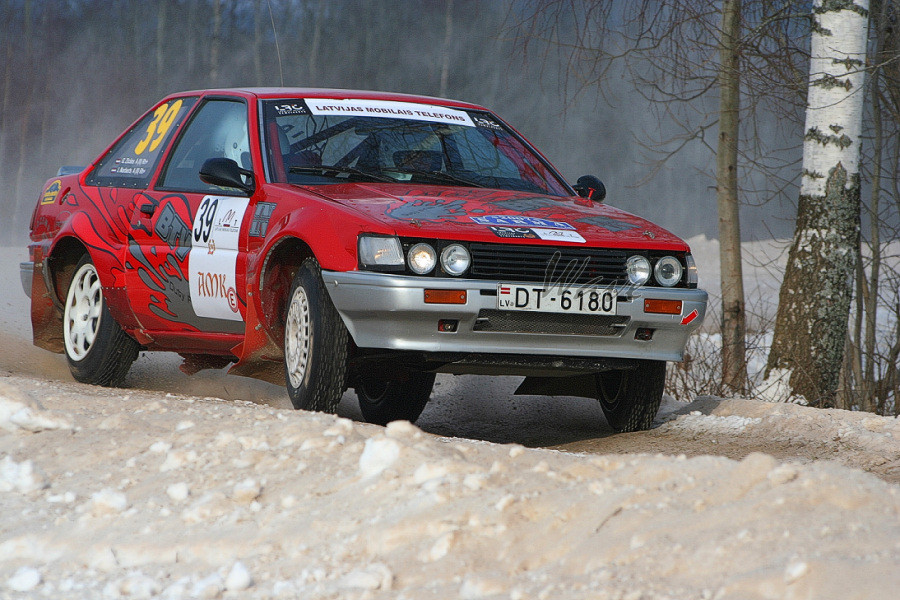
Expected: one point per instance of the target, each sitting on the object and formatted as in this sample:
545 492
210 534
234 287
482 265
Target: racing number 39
163 117
206 214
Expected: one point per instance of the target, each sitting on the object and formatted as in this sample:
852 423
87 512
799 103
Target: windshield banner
387 109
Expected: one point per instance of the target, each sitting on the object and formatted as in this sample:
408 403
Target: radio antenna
275 35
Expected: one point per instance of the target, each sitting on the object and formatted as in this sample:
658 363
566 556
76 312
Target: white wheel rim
84 304
297 337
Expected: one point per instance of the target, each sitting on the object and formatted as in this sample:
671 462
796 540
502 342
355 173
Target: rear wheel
315 343
630 398
98 351
382 401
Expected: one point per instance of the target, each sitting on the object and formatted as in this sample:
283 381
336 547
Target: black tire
98 351
630 398
382 401
315 343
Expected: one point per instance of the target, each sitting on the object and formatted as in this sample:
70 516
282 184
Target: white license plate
574 299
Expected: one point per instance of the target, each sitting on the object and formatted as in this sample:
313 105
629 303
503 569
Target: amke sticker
213 258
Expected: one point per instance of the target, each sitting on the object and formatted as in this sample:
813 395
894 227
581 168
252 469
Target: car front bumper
389 312
26 274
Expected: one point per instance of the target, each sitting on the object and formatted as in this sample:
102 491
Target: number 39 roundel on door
213 258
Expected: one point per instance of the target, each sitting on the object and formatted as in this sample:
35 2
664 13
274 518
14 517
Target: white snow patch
379 454
178 492
18 414
239 578
711 424
22 477
108 502
776 388
26 579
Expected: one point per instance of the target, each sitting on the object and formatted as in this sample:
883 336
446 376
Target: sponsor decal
291 108
213 258
524 205
520 221
261 216
608 223
428 210
690 318
560 235
170 228
485 123
51 193
389 109
513 232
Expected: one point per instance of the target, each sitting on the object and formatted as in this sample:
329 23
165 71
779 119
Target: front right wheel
630 398
382 400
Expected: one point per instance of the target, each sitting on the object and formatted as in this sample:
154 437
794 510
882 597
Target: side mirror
225 172
591 188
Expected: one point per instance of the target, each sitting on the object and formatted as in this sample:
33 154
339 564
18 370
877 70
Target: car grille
597 266
552 323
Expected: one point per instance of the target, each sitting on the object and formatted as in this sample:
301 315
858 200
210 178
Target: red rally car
329 239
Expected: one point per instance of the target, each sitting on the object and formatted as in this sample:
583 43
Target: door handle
148 209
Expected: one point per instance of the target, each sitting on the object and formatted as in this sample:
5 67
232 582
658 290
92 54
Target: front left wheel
630 398
315 343
98 351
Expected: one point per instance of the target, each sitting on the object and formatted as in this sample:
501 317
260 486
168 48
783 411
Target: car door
116 184
189 236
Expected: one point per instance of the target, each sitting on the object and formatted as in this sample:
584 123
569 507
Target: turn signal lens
693 279
662 307
445 296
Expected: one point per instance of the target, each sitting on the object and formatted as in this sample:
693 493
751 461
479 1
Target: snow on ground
182 488
140 494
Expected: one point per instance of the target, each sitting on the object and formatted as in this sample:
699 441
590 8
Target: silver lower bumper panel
389 312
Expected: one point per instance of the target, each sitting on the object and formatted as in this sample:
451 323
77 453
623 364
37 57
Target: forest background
629 101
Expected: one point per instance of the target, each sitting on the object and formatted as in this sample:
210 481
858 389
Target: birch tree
814 302
681 54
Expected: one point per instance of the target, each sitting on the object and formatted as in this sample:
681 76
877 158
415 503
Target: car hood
477 214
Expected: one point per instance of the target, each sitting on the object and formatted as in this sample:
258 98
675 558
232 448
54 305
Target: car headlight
455 259
638 270
668 271
421 259
380 251
693 279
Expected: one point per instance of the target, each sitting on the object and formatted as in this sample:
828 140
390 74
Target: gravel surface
211 486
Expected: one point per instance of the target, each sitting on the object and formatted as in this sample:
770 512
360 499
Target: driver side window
218 130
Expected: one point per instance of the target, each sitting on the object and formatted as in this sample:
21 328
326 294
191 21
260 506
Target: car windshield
320 142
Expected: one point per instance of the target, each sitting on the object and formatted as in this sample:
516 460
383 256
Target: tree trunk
316 42
214 44
734 362
445 62
257 41
814 302
160 44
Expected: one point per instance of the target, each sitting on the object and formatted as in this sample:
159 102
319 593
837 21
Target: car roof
266 93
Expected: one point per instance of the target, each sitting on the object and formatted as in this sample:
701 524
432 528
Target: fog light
643 334
448 325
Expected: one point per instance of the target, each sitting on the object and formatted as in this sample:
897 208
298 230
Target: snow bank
265 503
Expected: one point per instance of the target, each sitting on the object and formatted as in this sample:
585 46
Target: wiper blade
334 171
441 175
